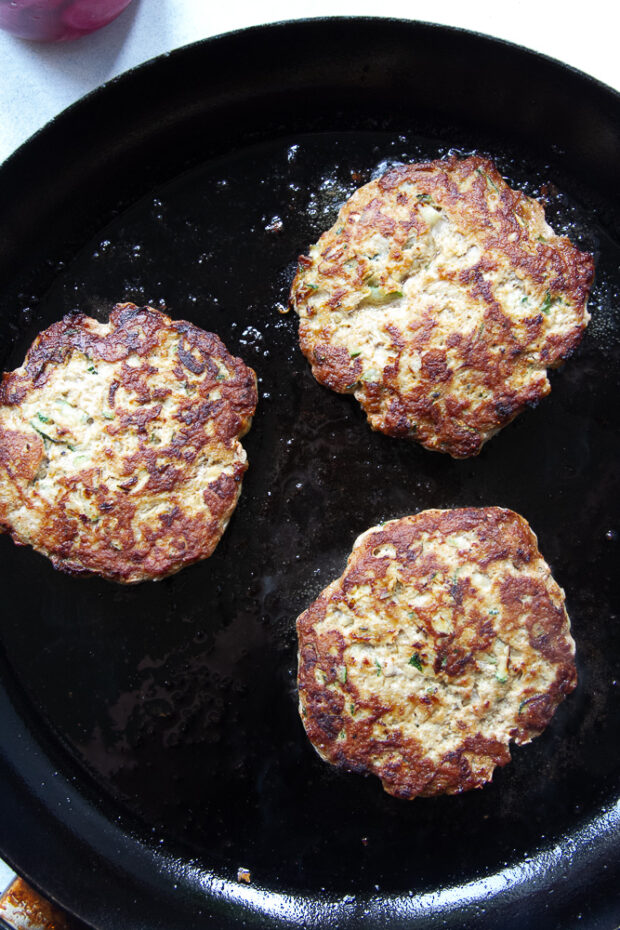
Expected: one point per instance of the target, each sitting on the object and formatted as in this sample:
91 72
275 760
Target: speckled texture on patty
445 638
119 444
439 299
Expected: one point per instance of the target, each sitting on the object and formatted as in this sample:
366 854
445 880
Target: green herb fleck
378 667
540 239
425 198
525 703
220 377
415 661
107 416
352 709
47 438
342 734
65 403
313 287
342 674
502 677
44 435
490 183
547 303
444 661
493 612
355 354
92 370
378 296
43 418
525 300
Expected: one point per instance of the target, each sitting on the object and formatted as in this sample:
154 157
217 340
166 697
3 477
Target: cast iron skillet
150 744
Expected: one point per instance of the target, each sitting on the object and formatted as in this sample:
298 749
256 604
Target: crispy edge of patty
513 228
133 332
404 768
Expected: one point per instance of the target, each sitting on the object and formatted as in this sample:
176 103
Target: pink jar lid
56 20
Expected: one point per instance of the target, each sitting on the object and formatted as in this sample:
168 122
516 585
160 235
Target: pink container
56 20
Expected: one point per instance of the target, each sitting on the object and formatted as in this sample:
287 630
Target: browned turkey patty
119 444
439 298
445 638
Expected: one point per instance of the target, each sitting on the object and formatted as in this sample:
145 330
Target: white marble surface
6 876
40 80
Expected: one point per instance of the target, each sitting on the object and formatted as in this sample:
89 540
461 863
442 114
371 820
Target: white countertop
39 80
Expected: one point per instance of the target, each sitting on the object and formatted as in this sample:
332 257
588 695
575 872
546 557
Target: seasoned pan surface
150 740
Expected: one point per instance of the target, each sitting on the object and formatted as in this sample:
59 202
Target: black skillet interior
150 739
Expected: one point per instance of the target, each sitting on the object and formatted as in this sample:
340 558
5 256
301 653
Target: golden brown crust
146 463
23 907
406 671
466 292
